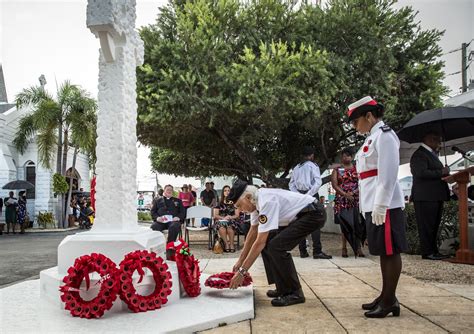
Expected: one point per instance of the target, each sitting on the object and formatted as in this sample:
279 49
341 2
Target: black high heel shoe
371 306
380 312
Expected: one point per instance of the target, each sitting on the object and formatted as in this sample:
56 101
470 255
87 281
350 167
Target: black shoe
273 293
433 257
287 300
380 312
443 256
303 255
370 306
322 256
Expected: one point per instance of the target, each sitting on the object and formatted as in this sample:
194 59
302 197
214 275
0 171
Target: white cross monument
115 231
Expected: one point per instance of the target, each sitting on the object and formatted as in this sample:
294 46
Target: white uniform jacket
277 207
379 152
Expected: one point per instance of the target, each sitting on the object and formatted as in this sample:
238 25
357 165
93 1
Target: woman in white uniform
280 219
381 200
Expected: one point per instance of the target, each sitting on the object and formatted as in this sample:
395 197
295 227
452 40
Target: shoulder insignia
262 219
385 128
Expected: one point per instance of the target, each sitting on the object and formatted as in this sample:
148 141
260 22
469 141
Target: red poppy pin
365 149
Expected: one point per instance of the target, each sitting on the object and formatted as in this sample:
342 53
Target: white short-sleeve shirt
277 207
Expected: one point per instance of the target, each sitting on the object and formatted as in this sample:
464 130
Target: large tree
237 88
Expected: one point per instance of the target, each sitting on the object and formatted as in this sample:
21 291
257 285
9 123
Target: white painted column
113 22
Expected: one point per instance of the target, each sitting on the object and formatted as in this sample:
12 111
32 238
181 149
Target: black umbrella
352 227
18 185
452 123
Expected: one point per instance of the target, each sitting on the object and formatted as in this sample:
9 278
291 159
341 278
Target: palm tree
50 122
83 139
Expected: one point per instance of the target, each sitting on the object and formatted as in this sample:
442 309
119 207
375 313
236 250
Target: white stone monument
115 231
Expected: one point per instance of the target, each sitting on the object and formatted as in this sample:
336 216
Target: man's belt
308 208
367 174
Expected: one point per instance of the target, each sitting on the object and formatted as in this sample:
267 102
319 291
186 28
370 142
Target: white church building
16 166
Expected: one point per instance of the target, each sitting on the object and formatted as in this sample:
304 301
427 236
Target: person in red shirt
186 197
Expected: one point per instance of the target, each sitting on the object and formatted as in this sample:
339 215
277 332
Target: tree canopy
238 88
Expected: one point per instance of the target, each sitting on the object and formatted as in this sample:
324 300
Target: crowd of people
15 212
81 211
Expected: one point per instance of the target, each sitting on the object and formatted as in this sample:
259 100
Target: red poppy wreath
109 287
222 280
136 261
188 267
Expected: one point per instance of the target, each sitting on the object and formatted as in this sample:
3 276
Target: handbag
217 249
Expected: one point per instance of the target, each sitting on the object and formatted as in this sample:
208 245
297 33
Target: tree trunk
59 206
63 172
65 149
69 193
60 151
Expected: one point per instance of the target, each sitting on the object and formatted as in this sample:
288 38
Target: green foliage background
238 87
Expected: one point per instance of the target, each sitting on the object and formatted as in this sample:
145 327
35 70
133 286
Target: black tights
391 267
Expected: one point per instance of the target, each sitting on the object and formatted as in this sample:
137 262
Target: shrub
144 216
46 219
449 227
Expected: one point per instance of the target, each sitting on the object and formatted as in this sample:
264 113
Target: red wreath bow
70 291
136 261
188 267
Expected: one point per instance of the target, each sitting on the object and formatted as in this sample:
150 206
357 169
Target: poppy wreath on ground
222 280
108 291
188 267
138 260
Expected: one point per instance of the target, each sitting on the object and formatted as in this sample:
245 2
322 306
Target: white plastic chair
198 212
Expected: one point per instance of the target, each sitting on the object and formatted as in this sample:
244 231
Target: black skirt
389 238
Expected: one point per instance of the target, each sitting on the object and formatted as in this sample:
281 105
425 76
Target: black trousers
279 265
428 218
173 229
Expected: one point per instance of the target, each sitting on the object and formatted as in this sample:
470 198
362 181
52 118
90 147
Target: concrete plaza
336 288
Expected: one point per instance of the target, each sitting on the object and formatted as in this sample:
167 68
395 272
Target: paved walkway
334 291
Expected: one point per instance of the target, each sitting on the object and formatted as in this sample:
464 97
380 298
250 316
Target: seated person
226 216
168 213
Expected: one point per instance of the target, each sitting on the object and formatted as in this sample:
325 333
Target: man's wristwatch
242 271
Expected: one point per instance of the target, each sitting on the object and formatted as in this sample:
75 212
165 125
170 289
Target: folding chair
199 212
243 228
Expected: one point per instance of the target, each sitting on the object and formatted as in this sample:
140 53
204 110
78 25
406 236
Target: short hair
307 151
168 185
253 192
347 151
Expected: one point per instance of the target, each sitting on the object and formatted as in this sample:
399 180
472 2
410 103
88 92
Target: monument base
211 309
114 245
51 280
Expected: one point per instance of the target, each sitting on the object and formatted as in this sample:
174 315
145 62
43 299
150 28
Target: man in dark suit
168 214
429 192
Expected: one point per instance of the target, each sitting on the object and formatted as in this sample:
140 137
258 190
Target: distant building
16 166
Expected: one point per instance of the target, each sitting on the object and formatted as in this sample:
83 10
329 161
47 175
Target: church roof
3 88
5 107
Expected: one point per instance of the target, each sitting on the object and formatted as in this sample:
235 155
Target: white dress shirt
306 177
277 207
380 151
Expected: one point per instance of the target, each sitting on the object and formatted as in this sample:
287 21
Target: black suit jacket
173 206
427 172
